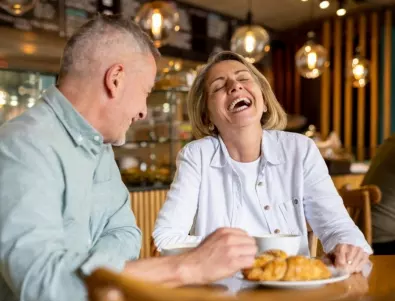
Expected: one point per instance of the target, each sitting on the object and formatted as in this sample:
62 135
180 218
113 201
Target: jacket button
277 231
260 183
267 207
296 201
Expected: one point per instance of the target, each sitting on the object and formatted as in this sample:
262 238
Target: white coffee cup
288 243
175 249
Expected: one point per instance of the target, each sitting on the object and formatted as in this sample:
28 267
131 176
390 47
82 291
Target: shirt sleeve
35 262
324 208
119 242
176 217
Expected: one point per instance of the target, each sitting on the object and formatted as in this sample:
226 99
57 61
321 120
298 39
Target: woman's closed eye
216 89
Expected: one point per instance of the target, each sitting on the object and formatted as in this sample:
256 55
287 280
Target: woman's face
234 98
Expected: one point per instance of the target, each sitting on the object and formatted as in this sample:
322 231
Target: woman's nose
234 87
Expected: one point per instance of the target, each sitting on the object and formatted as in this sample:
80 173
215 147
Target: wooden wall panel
325 84
146 206
337 77
348 87
374 83
387 74
297 85
361 95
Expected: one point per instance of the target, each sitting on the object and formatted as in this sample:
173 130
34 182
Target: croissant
275 265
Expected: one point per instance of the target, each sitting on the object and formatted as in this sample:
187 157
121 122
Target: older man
64 210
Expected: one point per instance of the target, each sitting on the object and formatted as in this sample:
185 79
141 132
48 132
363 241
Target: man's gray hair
99 39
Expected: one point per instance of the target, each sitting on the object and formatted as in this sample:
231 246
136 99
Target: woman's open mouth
239 104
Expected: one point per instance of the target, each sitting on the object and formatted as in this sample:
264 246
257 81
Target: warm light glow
13 103
29 48
177 28
307 48
358 71
324 4
250 42
30 104
3 96
267 48
157 21
311 60
17 6
341 12
17 11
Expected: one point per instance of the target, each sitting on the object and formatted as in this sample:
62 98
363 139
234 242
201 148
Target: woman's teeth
244 105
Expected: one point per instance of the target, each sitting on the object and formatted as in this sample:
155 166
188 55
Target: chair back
358 204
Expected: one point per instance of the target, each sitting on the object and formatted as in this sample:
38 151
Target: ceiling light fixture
324 4
17 7
341 10
159 19
250 41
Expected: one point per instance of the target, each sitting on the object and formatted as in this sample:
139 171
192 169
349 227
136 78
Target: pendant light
17 7
359 70
250 41
312 59
159 19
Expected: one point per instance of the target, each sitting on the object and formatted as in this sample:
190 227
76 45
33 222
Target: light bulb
324 4
249 42
359 71
341 12
156 21
311 60
159 19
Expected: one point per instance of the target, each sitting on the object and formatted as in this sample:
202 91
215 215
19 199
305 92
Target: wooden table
379 285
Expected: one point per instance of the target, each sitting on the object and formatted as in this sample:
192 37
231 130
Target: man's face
130 103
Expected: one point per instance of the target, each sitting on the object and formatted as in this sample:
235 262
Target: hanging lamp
159 19
250 41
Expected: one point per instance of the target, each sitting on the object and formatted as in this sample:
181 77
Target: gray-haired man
64 210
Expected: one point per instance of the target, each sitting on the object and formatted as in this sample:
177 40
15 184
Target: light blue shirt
292 186
64 209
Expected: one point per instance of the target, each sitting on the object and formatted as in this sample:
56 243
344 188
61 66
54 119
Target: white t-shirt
250 217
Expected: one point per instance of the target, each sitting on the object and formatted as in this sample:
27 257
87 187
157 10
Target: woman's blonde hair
274 118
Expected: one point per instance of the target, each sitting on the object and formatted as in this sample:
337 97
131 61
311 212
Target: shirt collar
271 150
79 129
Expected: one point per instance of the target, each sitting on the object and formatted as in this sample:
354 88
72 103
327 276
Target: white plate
337 276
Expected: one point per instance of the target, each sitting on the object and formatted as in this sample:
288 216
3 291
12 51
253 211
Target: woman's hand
349 257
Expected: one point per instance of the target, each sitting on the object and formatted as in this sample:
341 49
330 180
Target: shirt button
96 138
80 138
296 201
267 207
277 231
260 183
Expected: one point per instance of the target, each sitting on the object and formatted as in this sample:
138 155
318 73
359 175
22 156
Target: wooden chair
358 204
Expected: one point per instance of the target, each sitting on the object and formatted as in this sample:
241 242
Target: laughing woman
245 172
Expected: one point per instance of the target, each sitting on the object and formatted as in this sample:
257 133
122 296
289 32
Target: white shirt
293 185
250 217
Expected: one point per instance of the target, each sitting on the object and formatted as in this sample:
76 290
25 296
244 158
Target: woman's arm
176 217
324 208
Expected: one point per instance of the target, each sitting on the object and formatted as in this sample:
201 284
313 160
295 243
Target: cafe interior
329 64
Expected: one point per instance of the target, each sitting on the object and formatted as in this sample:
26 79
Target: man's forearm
170 270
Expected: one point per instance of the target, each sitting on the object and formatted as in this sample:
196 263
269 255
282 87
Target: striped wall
362 117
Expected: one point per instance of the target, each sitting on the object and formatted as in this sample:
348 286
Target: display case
20 90
148 157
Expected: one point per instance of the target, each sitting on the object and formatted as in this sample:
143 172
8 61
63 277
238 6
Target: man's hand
349 257
220 255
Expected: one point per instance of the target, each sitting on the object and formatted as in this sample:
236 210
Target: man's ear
114 79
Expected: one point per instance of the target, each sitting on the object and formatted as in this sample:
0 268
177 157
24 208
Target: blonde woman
245 172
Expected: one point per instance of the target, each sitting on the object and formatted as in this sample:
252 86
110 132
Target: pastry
275 265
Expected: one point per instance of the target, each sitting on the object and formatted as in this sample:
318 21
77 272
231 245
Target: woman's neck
245 144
